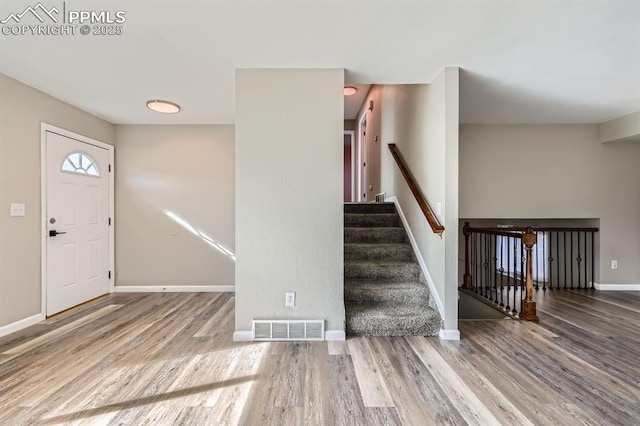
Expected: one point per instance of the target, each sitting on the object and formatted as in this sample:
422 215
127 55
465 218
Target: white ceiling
522 60
353 103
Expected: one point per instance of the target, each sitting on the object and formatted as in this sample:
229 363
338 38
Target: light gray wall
289 218
422 120
373 139
22 109
175 205
555 172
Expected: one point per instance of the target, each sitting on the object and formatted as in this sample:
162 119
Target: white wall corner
335 335
21 324
243 336
449 334
421 262
174 288
617 287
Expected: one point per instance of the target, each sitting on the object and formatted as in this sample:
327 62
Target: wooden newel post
528 311
466 284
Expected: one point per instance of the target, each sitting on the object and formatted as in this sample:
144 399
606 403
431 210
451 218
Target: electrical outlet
614 264
290 298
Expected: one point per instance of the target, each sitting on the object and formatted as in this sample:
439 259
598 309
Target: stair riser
370 208
411 326
373 271
404 297
374 235
368 252
371 220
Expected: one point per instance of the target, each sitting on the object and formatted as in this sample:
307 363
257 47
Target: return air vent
288 330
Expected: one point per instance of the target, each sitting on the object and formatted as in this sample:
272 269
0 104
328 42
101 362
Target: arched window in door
81 163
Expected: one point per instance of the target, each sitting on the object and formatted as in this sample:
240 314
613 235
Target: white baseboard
449 334
21 324
174 288
617 287
333 335
416 250
243 336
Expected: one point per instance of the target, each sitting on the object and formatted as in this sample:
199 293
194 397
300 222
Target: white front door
77 215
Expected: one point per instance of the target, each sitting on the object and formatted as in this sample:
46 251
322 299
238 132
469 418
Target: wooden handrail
434 223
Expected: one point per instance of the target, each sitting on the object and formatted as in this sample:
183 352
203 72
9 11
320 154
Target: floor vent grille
277 330
381 197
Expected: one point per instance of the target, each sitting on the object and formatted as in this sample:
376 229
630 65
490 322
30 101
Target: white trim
416 250
335 335
243 336
449 334
44 128
21 324
175 288
617 287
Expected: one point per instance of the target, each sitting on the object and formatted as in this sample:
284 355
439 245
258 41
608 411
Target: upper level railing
434 223
504 266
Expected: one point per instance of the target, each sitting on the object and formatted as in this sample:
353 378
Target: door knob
54 233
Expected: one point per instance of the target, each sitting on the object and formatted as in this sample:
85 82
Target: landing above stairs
384 292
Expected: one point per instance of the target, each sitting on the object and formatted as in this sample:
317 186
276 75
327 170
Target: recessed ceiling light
164 107
350 90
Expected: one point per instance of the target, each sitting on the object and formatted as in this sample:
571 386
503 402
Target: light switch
18 209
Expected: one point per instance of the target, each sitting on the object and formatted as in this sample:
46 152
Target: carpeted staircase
384 292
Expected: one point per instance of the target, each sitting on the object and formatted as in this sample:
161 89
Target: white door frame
44 128
362 149
352 135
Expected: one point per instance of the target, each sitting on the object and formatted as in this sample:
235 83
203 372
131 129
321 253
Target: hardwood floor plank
469 405
368 374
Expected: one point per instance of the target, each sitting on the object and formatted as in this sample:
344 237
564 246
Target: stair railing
434 223
504 266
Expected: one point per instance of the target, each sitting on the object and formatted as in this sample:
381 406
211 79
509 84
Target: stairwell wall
422 120
289 208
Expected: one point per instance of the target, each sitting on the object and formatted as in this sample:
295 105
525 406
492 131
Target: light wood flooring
164 359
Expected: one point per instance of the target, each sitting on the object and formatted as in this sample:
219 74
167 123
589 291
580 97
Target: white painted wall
22 109
289 218
175 205
556 172
422 120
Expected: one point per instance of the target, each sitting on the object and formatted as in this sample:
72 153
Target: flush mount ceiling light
164 107
350 90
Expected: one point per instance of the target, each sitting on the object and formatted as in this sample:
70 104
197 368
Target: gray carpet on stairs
384 292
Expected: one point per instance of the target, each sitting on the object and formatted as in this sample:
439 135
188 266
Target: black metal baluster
514 311
564 249
593 262
508 258
551 260
487 275
586 258
474 261
571 258
501 273
535 259
579 258
545 267
495 269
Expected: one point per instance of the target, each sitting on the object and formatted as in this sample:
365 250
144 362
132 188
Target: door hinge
109 168
109 274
